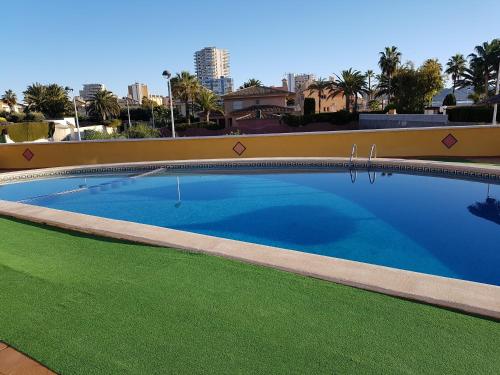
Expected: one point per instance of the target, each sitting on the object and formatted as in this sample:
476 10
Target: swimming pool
439 226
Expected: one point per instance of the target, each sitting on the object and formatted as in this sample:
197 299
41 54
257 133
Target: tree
455 67
52 100
104 105
369 76
208 101
413 88
484 62
449 100
430 79
147 103
251 82
10 98
34 97
320 86
388 62
309 106
185 86
349 84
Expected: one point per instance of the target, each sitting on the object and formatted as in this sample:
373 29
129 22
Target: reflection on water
489 209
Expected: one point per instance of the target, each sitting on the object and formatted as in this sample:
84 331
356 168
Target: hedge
26 131
205 125
471 114
336 118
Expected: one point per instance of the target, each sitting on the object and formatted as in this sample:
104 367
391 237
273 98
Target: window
257 101
237 105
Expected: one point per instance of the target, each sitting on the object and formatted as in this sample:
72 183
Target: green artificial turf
83 305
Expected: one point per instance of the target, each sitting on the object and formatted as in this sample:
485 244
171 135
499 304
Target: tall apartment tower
137 91
303 80
90 89
212 69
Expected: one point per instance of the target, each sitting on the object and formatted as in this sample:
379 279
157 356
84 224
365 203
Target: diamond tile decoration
239 148
449 141
28 154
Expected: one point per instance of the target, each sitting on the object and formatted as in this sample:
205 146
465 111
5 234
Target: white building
137 91
159 99
220 86
302 81
90 89
212 69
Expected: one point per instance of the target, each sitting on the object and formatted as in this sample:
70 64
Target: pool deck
467 296
13 362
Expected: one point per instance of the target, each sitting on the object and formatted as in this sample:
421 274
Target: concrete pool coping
466 296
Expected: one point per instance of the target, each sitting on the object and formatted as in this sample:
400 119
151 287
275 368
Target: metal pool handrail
373 153
354 153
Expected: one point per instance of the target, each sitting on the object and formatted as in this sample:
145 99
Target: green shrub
471 114
450 100
27 131
34 116
390 106
3 119
16 117
114 123
95 135
374 105
142 130
309 106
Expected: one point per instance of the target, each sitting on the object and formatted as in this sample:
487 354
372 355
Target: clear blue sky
120 42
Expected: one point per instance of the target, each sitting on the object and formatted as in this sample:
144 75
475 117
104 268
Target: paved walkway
14 363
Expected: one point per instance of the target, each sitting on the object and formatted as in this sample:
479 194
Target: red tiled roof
257 91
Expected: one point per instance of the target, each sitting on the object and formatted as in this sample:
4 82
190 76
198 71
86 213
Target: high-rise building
212 69
220 86
90 89
137 91
302 81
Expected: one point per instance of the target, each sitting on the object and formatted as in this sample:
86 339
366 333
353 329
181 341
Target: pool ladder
371 156
354 153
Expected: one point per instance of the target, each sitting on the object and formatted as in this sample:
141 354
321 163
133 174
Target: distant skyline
118 43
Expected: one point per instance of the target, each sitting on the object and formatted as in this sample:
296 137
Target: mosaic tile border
430 168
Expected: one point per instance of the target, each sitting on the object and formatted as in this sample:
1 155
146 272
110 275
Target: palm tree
186 86
10 98
251 82
35 97
104 105
208 101
320 86
52 100
369 75
456 67
389 60
349 84
485 59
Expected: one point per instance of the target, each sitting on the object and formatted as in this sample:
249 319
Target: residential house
256 103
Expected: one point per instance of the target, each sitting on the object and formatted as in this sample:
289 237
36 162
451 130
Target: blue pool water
424 224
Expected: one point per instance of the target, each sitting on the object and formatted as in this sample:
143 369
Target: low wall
381 121
477 141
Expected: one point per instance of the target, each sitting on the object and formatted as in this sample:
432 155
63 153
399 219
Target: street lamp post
128 111
152 114
76 114
166 74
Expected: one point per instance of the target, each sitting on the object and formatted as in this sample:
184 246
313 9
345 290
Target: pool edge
467 296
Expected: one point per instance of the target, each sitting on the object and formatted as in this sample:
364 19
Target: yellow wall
477 142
